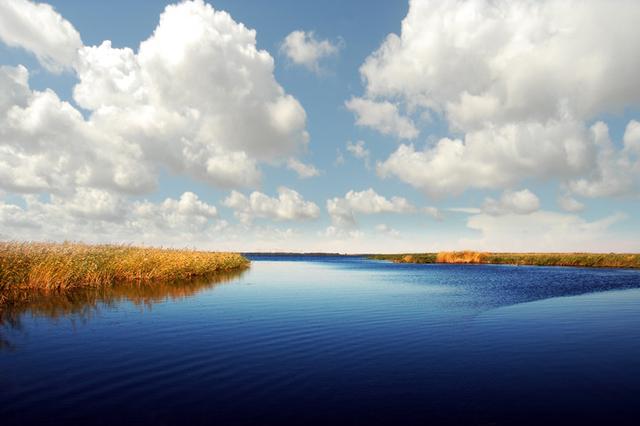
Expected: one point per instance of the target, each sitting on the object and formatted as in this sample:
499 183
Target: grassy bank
590 260
48 266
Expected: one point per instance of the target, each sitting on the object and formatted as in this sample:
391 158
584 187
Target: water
332 340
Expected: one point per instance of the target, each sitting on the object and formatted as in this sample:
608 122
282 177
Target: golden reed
52 266
589 260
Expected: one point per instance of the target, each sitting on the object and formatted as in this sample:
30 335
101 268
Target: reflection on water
84 303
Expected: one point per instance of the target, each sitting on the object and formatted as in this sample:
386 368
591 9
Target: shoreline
580 260
31 266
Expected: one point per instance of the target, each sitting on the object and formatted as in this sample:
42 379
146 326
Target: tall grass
461 257
49 266
591 260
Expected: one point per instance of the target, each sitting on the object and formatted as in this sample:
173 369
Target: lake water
341 340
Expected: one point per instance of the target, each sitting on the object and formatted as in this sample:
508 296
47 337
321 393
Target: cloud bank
304 49
520 81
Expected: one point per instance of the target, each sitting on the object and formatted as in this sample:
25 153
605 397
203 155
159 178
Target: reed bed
589 260
462 257
51 266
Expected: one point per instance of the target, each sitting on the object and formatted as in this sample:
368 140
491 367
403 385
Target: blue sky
420 126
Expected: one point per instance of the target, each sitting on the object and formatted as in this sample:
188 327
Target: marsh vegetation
590 260
26 266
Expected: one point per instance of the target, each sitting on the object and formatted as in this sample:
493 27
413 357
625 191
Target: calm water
341 340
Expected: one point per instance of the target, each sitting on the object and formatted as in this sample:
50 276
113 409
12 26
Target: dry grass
48 266
461 257
590 260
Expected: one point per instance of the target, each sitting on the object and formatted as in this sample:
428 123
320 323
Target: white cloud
544 231
341 234
183 101
570 204
369 202
91 203
172 104
466 210
385 229
631 137
303 48
434 212
38 28
189 204
342 210
519 80
359 150
522 202
497 157
303 170
507 60
382 116
231 169
47 146
187 214
197 98
289 205
512 202
615 172
102 216
14 219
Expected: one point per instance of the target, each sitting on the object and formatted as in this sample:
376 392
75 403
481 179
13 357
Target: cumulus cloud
358 150
303 48
183 101
38 28
175 104
197 98
342 209
289 205
303 170
188 213
382 116
47 146
93 204
501 157
512 202
529 60
616 172
103 216
632 137
519 81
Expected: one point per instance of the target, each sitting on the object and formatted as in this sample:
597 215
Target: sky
356 127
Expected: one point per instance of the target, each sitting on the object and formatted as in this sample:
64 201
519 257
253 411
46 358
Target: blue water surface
334 340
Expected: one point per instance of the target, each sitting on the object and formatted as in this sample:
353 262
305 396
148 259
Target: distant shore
586 260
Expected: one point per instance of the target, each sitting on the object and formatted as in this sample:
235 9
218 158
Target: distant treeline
590 260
